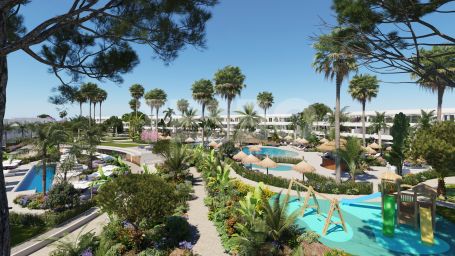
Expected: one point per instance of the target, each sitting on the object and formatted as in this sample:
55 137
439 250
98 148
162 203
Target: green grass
20 233
450 193
447 213
121 145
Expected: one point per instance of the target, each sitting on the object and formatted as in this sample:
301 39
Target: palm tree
101 97
265 101
22 126
134 104
89 91
378 124
444 65
229 84
335 60
136 91
426 118
363 88
249 118
80 98
8 127
212 105
168 113
155 99
351 155
188 121
203 94
295 122
48 136
182 106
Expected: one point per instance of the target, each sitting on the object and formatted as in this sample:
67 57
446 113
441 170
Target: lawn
20 233
122 145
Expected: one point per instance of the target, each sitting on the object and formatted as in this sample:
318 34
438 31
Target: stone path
208 243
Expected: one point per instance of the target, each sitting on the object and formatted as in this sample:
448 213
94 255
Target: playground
402 223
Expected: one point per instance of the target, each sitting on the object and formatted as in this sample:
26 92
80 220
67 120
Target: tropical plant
62 196
48 136
399 132
89 91
212 105
22 126
188 121
351 154
363 88
137 92
426 118
320 110
202 91
176 162
229 84
8 127
265 101
84 244
182 106
155 98
91 138
335 60
378 124
441 65
436 146
249 118
100 98
306 119
68 164
80 98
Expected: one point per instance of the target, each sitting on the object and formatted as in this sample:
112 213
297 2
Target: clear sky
267 39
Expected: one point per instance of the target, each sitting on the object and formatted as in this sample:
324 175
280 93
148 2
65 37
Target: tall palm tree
229 84
101 97
363 88
379 125
134 104
265 101
203 94
156 98
215 120
136 91
212 105
80 98
89 91
182 106
48 136
22 126
168 113
249 118
188 121
442 65
295 122
334 59
8 127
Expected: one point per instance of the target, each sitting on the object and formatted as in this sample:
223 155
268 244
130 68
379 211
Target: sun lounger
8 164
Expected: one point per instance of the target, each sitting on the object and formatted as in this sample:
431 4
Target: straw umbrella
268 163
239 156
389 175
213 144
374 146
189 140
288 137
389 148
250 159
304 141
369 150
303 167
254 148
323 140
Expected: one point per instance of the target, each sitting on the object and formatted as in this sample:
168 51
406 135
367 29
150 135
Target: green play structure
388 215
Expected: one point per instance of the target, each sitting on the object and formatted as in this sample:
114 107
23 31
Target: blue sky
268 40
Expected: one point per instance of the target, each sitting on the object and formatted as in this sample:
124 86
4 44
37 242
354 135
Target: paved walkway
208 242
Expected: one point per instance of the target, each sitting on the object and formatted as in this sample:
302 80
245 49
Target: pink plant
149 135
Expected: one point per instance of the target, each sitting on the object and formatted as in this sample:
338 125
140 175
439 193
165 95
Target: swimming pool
33 179
364 232
272 151
279 168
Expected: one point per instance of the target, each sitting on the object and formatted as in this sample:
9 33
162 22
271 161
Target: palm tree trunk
265 124
228 119
440 97
89 112
151 119
80 109
94 111
100 112
379 138
364 130
44 172
337 129
4 212
156 123
203 123
135 108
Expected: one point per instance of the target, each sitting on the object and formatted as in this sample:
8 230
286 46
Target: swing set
310 192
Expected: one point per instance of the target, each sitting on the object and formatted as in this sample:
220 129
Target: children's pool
272 151
364 232
279 168
33 179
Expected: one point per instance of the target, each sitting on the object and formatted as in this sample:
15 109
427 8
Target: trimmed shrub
414 179
62 196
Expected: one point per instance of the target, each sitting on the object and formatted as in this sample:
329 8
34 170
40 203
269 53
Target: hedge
320 183
286 160
414 179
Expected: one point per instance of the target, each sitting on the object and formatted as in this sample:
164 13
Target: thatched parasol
330 146
254 148
268 163
369 150
374 146
304 141
239 156
189 140
288 137
213 144
390 176
303 167
250 159
323 140
389 148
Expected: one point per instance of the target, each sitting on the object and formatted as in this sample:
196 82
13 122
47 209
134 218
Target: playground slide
360 199
388 216
426 226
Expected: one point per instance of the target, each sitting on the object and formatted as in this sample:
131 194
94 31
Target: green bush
62 196
286 160
26 219
53 219
228 149
320 183
177 229
414 179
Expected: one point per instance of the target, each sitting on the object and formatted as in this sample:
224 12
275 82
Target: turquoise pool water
33 179
364 232
272 151
279 168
